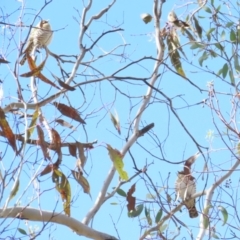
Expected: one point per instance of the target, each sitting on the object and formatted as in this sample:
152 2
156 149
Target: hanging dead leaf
65 124
49 168
3 61
82 181
72 148
130 199
69 112
116 122
117 159
33 123
36 71
56 141
81 155
41 143
63 84
63 187
7 131
174 56
46 80
176 43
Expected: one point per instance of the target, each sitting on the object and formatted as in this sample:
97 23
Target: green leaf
231 77
14 189
238 148
163 227
224 213
64 188
213 54
189 35
207 9
198 27
203 58
147 215
114 203
223 35
215 236
136 212
117 160
196 45
150 196
175 56
229 24
233 36
238 35
208 33
33 123
159 215
225 70
205 222
121 192
22 231
236 62
205 216
219 46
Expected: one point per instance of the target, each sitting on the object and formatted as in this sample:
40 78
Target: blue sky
97 99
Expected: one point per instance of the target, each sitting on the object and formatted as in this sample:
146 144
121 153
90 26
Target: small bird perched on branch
172 18
40 36
186 187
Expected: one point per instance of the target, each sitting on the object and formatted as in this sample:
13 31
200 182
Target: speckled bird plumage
39 37
185 186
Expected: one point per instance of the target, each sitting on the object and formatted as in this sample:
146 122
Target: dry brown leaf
116 122
130 199
69 112
63 84
7 131
36 71
64 123
46 80
72 148
56 140
41 143
81 155
82 181
3 61
49 168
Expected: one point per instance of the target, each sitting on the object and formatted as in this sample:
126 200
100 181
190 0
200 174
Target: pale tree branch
209 196
160 47
34 214
169 215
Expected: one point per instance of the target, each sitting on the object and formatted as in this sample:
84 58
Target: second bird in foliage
172 18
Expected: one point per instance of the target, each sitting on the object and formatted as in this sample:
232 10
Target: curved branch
34 214
209 195
136 133
170 214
